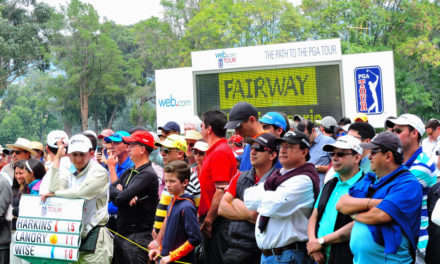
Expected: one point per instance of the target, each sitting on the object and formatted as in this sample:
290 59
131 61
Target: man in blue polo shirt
118 161
386 206
328 230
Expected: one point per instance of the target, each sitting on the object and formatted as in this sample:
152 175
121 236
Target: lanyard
129 176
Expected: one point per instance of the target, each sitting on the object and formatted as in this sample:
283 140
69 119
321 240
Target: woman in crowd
33 171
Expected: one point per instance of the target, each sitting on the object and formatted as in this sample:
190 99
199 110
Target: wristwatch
321 240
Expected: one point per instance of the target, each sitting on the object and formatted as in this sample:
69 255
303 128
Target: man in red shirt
218 168
242 245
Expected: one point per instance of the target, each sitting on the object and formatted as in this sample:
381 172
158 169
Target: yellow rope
131 241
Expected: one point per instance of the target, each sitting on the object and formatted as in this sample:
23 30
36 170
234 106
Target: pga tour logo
224 58
369 90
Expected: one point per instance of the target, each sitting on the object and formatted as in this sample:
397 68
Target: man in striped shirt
410 130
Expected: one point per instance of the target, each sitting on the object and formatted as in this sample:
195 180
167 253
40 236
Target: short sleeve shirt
219 166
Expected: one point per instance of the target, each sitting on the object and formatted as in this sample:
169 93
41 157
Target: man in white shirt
432 143
285 202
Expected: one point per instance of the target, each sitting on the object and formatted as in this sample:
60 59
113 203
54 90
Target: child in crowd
182 232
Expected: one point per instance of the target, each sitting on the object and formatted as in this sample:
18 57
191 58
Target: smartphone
99 149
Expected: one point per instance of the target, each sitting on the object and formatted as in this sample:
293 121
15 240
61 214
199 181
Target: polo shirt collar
352 180
216 144
411 160
317 139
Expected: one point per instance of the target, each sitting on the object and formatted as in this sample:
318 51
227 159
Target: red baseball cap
143 137
236 138
106 133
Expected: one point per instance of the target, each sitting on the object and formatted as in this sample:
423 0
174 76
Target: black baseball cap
239 113
170 126
294 137
386 140
265 139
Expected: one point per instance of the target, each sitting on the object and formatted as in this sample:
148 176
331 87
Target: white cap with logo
56 135
410 120
345 142
79 143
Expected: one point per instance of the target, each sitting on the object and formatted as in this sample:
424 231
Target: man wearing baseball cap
170 128
386 206
275 123
285 202
327 126
328 230
410 129
90 182
135 195
242 245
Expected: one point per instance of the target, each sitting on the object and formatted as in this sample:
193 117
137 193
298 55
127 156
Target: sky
124 12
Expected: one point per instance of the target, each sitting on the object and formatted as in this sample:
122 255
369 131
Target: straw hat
37 145
24 144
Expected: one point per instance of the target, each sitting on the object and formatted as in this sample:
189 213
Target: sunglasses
341 154
375 151
191 145
198 152
259 148
397 130
166 150
17 152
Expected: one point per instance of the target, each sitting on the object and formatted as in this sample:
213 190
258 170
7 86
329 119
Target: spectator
33 171
20 150
361 118
243 118
170 128
117 163
52 148
388 124
135 195
99 156
5 220
172 148
242 245
191 137
385 206
344 121
39 149
90 181
432 252
431 144
320 158
410 129
236 143
365 133
275 123
285 202
328 230
193 188
182 233
327 126
217 170
194 123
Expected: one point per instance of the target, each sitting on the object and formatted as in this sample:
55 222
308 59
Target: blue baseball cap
274 118
117 137
170 126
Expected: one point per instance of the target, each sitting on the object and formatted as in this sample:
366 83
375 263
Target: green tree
26 32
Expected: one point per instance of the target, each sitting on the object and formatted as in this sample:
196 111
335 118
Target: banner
50 231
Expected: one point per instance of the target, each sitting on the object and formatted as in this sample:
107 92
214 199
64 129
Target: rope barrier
134 243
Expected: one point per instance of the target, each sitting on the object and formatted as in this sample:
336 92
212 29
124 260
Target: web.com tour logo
173 102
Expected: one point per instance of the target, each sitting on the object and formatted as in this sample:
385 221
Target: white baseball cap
409 120
79 143
56 135
345 142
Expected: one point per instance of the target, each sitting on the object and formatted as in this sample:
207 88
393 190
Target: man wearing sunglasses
386 206
328 230
410 129
135 194
242 245
285 202
20 150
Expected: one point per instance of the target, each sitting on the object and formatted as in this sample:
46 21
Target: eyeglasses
341 134
198 152
267 126
259 148
341 154
166 150
17 152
